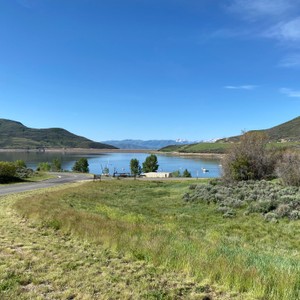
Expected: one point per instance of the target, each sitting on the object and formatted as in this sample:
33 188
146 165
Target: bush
21 169
24 173
44 167
7 172
56 165
271 217
288 168
20 163
249 159
176 173
261 197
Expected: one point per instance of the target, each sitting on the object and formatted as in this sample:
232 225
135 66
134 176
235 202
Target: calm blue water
120 162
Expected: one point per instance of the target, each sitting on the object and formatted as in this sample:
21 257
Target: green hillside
288 131
14 135
285 132
218 148
288 134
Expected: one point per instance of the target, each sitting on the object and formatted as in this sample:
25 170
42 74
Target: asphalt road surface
60 178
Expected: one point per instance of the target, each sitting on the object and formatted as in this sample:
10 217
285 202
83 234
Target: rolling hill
288 131
288 134
14 135
285 132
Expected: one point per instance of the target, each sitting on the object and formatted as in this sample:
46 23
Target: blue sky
150 69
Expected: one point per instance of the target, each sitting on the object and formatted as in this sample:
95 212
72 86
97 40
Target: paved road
60 178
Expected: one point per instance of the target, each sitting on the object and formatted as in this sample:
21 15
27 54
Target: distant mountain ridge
14 135
145 144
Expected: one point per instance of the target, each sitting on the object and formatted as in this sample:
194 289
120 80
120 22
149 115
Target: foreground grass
149 222
40 262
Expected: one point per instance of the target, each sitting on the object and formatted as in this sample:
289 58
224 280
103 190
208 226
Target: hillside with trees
14 135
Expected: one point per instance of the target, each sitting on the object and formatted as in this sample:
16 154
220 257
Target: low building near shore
158 174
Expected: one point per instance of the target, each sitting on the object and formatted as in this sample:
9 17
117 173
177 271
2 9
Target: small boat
205 170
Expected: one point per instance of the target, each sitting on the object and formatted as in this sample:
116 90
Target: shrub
7 171
230 213
271 217
255 196
295 215
44 167
283 210
249 159
186 173
176 173
24 172
20 163
186 197
288 169
192 186
56 165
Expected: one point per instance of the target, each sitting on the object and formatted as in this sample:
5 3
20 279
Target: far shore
95 151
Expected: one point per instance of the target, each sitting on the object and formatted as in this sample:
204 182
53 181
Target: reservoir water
120 162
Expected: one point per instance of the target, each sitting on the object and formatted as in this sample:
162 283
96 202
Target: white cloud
240 87
277 20
285 31
290 61
253 9
290 92
274 19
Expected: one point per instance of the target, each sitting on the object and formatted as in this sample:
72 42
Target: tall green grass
150 221
219 148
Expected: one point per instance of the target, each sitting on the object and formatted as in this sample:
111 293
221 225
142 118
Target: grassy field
222 147
132 239
218 148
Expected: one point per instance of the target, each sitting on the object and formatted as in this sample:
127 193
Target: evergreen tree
150 164
81 166
186 173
